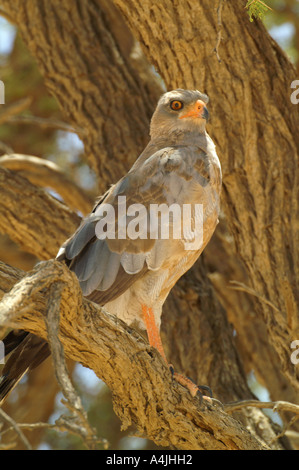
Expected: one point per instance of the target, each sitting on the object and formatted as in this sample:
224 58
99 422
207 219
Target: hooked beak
198 110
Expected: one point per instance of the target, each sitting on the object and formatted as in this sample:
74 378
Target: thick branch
143 391
35 220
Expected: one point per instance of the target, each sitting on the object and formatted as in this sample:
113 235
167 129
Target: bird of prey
129 263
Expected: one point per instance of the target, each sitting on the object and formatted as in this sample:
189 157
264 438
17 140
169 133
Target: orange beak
198 110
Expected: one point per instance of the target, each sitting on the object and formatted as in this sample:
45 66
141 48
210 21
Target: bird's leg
153 333
154 339
193 388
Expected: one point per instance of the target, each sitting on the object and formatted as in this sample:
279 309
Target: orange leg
154 339
153 333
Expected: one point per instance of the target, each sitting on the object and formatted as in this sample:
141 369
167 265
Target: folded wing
105 261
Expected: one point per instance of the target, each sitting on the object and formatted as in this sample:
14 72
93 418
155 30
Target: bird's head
180 110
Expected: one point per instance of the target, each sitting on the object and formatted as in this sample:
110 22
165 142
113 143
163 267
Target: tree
237 309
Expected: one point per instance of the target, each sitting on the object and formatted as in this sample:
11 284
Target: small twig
287 427
274 405
5 148
30 427
61 425
259 1
52 323
219 36
43 122
14 108
9 446
242 287
17 429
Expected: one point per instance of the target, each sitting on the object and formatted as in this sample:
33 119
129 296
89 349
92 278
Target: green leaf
256 9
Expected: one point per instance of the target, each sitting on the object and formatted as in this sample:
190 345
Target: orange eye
176 105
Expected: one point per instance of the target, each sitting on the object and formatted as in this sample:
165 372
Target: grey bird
145 232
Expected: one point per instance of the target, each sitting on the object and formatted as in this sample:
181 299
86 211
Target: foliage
257 9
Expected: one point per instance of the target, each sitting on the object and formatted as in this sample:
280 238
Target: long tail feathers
7 384
26 351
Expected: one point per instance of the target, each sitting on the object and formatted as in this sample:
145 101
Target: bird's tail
24 351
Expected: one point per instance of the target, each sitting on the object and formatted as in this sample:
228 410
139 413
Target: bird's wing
106 267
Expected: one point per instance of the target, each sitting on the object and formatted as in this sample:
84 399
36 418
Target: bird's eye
176 105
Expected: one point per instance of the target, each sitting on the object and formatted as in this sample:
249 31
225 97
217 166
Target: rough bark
144 395
251 340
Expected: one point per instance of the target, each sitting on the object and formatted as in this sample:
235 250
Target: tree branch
48 175
44 123
272 405
34 219
16 428
14 109
143 392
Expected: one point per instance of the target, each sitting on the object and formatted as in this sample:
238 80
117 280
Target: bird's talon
206 389
199 395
